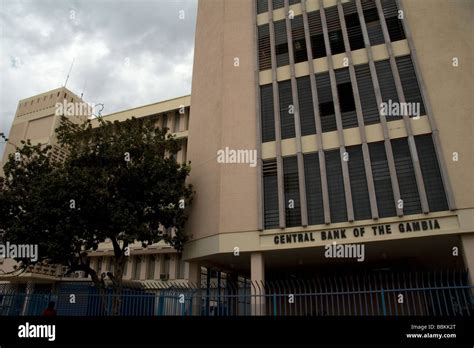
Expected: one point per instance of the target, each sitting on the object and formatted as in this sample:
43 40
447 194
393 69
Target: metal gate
378 294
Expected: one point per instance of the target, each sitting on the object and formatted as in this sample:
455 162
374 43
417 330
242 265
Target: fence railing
391 294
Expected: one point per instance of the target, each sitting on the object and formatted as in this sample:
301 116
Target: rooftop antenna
70 69
84 88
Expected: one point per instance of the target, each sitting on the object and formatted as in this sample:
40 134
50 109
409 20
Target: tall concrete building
158 262
360 114
36 119
325 136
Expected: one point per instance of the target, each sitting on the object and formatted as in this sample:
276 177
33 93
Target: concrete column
171 120
186 270
182 121
143 267
172 271
195 280
129 262
107 264
163 270
174 266
184 152
156 276
100 265
257 276
150 267
467 243
94 263
186 120
167 124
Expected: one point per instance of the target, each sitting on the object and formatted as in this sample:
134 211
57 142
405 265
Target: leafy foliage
118 183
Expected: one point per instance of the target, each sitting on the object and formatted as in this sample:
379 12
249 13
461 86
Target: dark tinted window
292 193
267 113
406 177
299 42
306 106
337 198
346 98
326 105
354 31
262 6
278 4
314 196
387 87
334 30
382 182
270 194
316 33
410 86
281 43
431 173
358 180
264 55
368 101
394 25
287 120
372 21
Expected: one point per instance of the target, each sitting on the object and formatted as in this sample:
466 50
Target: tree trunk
100 285
117 286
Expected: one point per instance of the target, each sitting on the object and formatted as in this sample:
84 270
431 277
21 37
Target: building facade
358 112
158 262
326 136
36 119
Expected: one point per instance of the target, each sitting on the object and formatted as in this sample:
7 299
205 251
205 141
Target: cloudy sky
127 52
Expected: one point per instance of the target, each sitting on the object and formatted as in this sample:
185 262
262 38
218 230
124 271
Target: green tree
117 183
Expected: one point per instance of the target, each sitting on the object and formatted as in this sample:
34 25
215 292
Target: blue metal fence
391 294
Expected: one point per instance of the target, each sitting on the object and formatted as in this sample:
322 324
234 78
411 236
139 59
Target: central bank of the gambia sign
359 232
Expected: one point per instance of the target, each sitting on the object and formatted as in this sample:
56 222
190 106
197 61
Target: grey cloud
39 39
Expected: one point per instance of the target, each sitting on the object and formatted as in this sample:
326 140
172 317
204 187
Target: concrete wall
151 109
226 194
223 115
442 30
35 119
